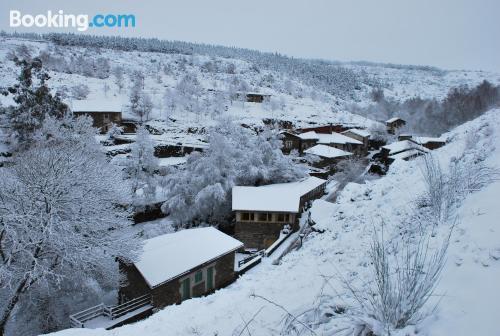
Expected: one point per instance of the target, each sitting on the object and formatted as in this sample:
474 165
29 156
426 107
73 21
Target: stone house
262 212
178 266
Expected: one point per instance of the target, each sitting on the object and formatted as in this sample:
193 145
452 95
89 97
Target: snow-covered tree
34 101
202 191
141 168
60 217
140 102
118 73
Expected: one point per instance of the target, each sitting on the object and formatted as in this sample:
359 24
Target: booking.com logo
81 22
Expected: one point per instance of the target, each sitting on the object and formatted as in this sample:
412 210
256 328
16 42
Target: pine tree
34 101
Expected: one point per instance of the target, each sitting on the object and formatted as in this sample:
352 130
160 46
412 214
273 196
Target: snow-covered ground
470 296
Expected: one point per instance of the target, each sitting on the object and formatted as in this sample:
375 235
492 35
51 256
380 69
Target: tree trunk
11 305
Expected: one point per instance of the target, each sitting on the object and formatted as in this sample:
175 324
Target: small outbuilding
262 212
178 266
394 124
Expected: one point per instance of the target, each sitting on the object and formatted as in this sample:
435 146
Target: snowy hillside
291 98
309 284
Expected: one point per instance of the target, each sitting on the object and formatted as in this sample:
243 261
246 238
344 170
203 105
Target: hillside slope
307 282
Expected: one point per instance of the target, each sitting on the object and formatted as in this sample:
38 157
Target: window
246 216
198 276
262 217
283 217
288 144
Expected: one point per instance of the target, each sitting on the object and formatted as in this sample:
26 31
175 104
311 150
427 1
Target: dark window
262 217
245 216
281 217
198 276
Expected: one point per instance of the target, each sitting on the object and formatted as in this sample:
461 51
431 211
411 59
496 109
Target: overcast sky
452 34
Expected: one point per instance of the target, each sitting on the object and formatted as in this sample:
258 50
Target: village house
291 141
335 140
394 124
178 266
327 157
405 150
257 97
360 135
103 113
427 142
262 212
298 142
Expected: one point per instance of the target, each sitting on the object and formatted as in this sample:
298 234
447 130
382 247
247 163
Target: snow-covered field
469 299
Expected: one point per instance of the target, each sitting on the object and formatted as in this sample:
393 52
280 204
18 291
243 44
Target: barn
262 212
178 266
103 113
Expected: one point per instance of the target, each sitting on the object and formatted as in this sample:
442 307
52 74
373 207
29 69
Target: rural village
210 241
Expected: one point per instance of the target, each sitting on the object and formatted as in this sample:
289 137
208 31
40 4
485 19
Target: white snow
172 161
425 140
327 151
406 154
400 146
281 197
173 254
97 105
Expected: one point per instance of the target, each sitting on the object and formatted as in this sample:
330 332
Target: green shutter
210 278
186 289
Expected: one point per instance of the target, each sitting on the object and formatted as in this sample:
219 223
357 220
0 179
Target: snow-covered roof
406 154
424 140
393 120
96 106
327 151
357 131
171 255
400 146
311 135
329 138
281 197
